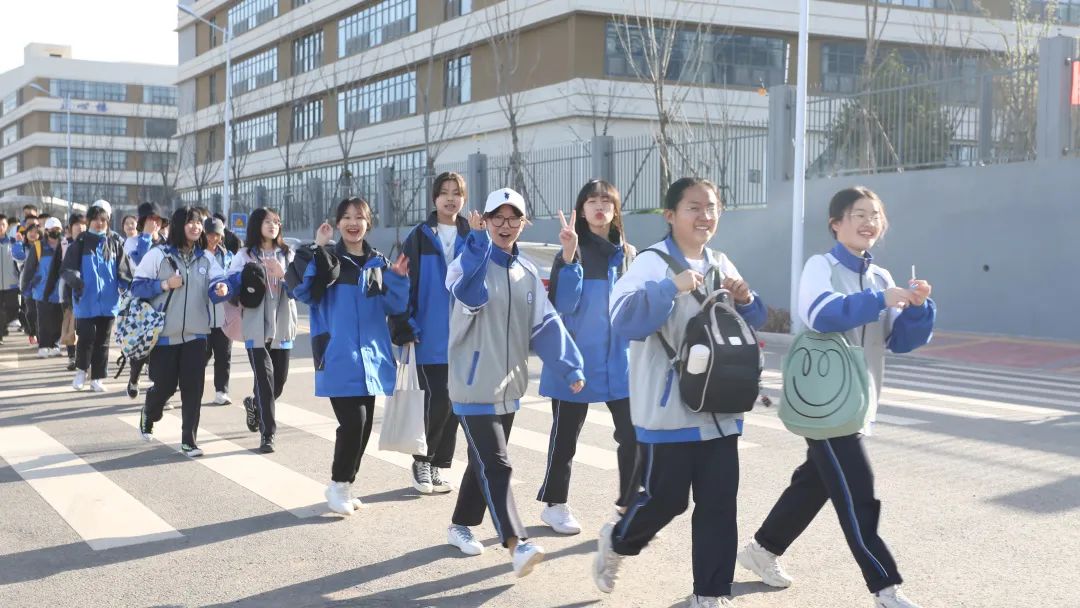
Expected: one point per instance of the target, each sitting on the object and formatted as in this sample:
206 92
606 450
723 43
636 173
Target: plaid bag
139 325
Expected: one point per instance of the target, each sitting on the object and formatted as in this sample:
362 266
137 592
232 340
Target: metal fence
973 120
548 178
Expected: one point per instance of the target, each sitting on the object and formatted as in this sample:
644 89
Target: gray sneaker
606 564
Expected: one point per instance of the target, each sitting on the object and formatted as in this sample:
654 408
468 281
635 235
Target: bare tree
163 155
504 38
300 91
198 160
875 23
338 84
652 50
597 103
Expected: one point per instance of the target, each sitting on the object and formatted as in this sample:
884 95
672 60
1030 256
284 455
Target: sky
145 34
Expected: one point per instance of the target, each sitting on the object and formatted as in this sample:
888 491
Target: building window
1068 11
211 83
114 193
299 3
162 96
160 127
257 133
961 6
459 80
10 167
82 158
213 32
727 59
376 102
10 136
457 8
307 120
382 22
254 72
250 14
841 63
84 89
307 53
11 101
157 161
88 124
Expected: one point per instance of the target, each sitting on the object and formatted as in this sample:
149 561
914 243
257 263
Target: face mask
92 231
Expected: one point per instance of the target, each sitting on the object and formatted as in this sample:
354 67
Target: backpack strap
175 268
675 267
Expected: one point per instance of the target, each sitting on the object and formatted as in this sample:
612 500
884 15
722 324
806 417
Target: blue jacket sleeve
146 288
913 328
143 244
642 312
396 299
553 344
470 288
18 251
302 291
755 313
567 280
831 311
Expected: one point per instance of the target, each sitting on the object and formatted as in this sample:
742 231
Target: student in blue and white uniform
681 450
35 277
183 281
97 269
218 345
594 255
269 329
499 313
144 238
351 289
843 291
9 280
431 247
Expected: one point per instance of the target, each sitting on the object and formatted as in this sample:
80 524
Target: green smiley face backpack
826 389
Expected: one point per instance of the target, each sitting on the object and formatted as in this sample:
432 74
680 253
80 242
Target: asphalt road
978 470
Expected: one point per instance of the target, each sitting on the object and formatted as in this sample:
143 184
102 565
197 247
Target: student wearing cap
231 241
9 280
96 268
146 237
35 276
500 311
76 226
431 247
218 345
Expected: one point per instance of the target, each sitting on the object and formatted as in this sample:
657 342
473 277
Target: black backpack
731 380
252 285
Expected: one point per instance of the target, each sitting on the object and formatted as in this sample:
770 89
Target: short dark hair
845 199
253 239
3 217
219 215
180 218
676 190
93 213
361 205
448 176
30 207
76 218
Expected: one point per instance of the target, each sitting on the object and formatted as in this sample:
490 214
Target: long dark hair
599 187
845 199
254 238
178 235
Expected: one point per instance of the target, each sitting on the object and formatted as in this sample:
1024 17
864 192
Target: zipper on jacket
509 310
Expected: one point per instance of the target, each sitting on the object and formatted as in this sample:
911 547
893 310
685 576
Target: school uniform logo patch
529 297
202 270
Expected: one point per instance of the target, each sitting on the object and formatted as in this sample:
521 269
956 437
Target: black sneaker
252 414
132 390
438 484
71 364
191 451
267 445
421 477
146 428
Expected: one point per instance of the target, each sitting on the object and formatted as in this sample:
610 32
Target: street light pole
798 198
226 33
67 124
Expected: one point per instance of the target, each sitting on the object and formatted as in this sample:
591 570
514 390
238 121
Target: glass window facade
162 96
83 158
379 23
10 166
250 14
83 192
11 101
88 124
88 90
307 53
157 161
307 120
256 133
376 102
10 135
255 72
457 8
458 80
159 127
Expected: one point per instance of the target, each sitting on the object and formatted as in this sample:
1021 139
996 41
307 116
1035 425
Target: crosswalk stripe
1026 383
999 372
325 427
99 511
296 493
934 409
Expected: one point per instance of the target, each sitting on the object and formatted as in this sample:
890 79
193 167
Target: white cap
104 204
504 196
52 223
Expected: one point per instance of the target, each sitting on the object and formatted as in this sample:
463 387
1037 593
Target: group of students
473 308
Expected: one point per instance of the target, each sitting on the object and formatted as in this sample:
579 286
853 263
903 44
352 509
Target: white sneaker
80 380
526 556
705 601
890 597
561 519
97 386
354 499
606 564
761 562
337 498
462 538
55 352
43 353
221 398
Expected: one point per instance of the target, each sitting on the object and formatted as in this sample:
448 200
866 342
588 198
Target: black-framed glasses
499 221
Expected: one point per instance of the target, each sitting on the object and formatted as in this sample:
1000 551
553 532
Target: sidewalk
994 351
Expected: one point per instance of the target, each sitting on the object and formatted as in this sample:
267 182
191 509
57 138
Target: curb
776 339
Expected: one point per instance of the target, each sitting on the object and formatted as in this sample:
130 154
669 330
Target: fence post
385 197
603 159
1053 121
477 180
986 117
780 151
